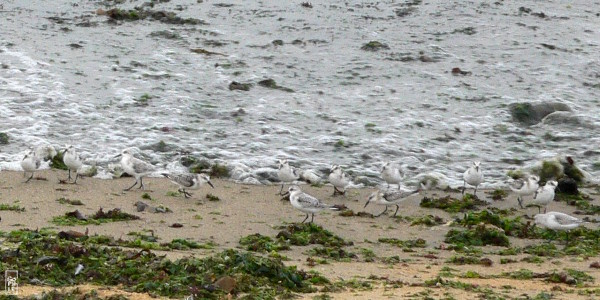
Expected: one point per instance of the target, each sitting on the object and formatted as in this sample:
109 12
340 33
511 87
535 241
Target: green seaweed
478 236
453 205
11 207
51 261
428 220
407 244
306 234
114 215
260 243
57 162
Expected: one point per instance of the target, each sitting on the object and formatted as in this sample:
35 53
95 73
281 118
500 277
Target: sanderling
72 161
389 199
286 174
544 195
307 203
473 176
135 167
338 178
557 221
523 187
30 163
189 181
392 174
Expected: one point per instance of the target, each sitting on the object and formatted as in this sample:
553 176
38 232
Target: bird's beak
118 155
210 183
286 194
367 203
64 151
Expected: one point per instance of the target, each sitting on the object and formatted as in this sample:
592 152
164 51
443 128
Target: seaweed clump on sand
453 205
308 234
41 258
77 218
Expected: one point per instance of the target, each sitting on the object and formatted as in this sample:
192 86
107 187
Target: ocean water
68 75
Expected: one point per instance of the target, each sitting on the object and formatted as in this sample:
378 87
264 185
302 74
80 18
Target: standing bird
524 187
307 203
557 221
286 174
544 195
473 176
339 179
389 199
189 181
392 174
135 167
30 163
72 161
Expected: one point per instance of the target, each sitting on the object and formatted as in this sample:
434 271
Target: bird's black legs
129 188
281 190
383 212
312 217
30 177
520 200
397 208
305 218
141 183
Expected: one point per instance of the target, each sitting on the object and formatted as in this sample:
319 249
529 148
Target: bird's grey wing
307 200
186 180
140 166
398 195
565 219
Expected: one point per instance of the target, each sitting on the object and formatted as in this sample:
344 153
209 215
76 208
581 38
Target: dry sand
248 209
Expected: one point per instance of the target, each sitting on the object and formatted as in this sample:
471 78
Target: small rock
568 186
141 206
595 265
176 225
458 71
76 214
226 283
234 85
530 113
486 262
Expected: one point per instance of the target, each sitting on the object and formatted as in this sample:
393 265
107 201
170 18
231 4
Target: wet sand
247 209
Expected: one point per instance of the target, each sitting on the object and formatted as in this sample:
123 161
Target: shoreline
243 210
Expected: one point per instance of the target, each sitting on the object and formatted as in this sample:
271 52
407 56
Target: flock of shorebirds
391 173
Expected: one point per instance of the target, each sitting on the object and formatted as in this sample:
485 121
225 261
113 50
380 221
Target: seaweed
306 234
478 236
43 258
260 243
453 205
407 244
57 162
76 218
13 207
428 220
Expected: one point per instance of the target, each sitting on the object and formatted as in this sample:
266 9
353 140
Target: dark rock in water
160 146
374 46
3 138
267 174
270 83
234 85
532 113
277 42
568 186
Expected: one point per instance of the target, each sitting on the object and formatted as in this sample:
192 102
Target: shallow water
69 76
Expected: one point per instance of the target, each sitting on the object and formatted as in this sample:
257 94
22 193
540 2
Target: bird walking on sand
286 174
339 179
557 221
135 167
307 203
189 181
30 163
72 161
473 176
524 187
544 195
392 174
389 199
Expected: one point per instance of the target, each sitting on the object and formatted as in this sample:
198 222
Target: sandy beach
243 210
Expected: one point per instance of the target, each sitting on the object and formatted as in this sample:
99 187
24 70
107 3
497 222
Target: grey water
71 75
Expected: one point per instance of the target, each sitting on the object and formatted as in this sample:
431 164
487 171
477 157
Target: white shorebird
30 163
72 161
189 181
135 167
339 179
307 203
286 174
473 176
392 174
389 199
557 221
544 195
524 187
